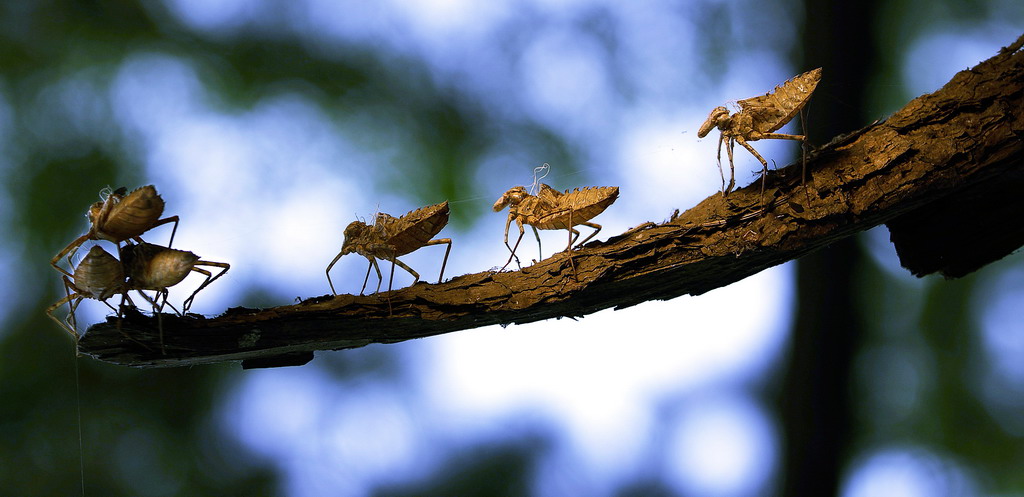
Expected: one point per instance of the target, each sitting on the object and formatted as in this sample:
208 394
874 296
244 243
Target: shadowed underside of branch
944 172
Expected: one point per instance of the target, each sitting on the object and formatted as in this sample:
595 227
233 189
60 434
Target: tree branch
939 150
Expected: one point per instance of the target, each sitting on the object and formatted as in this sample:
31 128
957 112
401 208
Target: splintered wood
757 119
390 237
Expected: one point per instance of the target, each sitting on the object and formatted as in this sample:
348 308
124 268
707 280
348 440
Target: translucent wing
774 109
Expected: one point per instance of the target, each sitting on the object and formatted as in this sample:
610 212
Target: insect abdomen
133 215
577 206
416 228
99 275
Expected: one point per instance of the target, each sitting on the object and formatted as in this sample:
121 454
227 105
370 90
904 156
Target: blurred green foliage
150 432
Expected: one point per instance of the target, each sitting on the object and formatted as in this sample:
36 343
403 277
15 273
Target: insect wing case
549 194
154 267
99 275
773 110
583 204
132 215
416 228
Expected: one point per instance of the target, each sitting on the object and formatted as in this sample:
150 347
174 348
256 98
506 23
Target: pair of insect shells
390 237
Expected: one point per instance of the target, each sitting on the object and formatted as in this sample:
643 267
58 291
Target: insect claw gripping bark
758 119
551 210
390 237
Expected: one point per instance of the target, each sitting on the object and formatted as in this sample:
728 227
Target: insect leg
415 275
71 314
329 266
172 219
188 302
508 222
446 252
56 305
391 279
574 234
120 316
160 320
159 222
764 163
741 141
367 277
224 268
158 305
120 307
68 286
540 252
380 279
168 304
568 250
730 143
513 249
781 136
597 228
69 251
158 310
721 138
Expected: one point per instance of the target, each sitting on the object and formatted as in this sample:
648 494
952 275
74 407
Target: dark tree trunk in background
815 401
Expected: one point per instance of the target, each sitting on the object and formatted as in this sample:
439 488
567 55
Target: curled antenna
105 192
377 223
543 168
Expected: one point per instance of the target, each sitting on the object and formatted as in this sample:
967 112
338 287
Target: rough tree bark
961 144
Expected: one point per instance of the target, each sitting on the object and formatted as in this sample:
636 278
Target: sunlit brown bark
939 149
